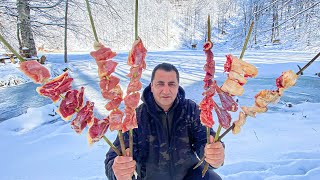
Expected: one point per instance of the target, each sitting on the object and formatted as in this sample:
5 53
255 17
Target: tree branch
47 7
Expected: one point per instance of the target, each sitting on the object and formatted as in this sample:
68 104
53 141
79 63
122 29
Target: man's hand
214 153
123 167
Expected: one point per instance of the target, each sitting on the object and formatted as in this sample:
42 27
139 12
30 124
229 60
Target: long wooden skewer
207 129
91 21
119 132
308 64
246 41
206 166
136 37
11 48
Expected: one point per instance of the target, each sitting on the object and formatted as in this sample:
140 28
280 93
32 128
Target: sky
282 143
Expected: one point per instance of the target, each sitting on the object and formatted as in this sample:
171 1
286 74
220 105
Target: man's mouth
166 97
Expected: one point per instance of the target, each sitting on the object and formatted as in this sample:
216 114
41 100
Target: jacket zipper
171 165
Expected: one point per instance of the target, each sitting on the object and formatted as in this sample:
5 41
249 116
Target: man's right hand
123 167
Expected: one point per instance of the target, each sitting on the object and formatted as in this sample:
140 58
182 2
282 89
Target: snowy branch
49 24
47 7
266 7
292 17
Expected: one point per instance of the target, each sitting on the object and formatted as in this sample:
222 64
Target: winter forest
251 66
163 24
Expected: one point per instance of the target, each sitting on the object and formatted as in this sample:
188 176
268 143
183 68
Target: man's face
165 88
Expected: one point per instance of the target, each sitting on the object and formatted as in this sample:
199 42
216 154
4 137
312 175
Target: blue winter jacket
157 155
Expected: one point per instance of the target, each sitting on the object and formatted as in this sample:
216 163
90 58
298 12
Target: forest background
61 25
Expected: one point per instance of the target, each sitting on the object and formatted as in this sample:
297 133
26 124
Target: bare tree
66 33
27 40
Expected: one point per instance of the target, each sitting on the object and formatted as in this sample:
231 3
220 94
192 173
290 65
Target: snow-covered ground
280 144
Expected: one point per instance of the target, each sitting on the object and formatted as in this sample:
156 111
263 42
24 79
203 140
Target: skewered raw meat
240 66
115 119
207 103
106 67
130 121
252 111
137 62
72 102
34 70
226 100
265 97
237 77
83 117
132 100
137 54
287 79
232 87
97 130
224 116
113 104
134 86
110 94
108 83
102 53
56 86
135 73
239 122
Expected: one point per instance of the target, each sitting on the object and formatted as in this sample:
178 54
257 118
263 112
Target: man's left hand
214 153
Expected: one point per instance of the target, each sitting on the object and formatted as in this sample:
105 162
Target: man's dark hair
166 67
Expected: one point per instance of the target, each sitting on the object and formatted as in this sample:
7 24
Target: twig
226 132
91 21
11 48
256 135
123 147
131 142
136 21
216 137
205 169
308 64
247 40
208 142
111 145
209 29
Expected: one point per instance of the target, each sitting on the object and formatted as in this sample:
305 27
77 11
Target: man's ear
151 84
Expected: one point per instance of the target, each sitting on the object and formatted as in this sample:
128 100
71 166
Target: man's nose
166 89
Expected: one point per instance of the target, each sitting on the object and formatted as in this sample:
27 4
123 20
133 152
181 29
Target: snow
280 144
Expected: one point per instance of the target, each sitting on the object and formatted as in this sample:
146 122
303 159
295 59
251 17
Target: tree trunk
66 33
18 33
27 40
275 23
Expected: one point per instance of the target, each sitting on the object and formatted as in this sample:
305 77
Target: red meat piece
56 86
72 102
83 117
34 70
97 130
137 54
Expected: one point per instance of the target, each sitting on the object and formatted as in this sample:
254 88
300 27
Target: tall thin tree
26 34
66 33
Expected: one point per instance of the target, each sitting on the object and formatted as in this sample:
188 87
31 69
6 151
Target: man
170 137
